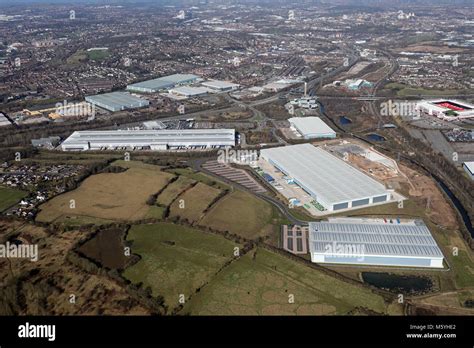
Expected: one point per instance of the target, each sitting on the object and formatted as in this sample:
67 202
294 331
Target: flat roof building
332 182
312 127
221 86
373 243
189 92
162 83
117 101
165 139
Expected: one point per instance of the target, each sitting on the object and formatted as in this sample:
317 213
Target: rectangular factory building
165 139
117 101
189 92
332 182
312 127
374 243
162 83
221 86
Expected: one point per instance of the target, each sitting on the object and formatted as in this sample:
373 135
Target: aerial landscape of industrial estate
237 158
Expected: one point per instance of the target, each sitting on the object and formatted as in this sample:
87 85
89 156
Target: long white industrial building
150 139
329 180
117 101
162 83
312 127
374 243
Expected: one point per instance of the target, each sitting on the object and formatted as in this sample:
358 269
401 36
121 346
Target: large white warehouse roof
156 139
405 244
220 85
331 181
117 101
161 83
312 127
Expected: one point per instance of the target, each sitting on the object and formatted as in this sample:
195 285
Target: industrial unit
332 182
312 127
162 83
221 86
150 139
448 110
117 101
355 84
189 92
469 169
374 243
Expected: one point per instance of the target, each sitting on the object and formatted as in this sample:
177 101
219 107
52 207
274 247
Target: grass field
197 176
10 196
70 158
406 91
175 259
111 196
195 201
464 269
77 58
264 285
98 55
80 220
156 212
172 191
240 213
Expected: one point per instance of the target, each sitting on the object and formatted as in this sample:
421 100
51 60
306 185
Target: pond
375 137
398 283
344 120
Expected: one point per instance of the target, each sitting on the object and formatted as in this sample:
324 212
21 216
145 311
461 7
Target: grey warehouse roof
327 176
377 239
311 125
152 136
163 82
117 100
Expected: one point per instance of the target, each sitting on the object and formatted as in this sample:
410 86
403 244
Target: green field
195 201
98 54
172 191
263 286
176 259
9 197
77 58
242 214
407 91
110 196
464 269
156 212
197 176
